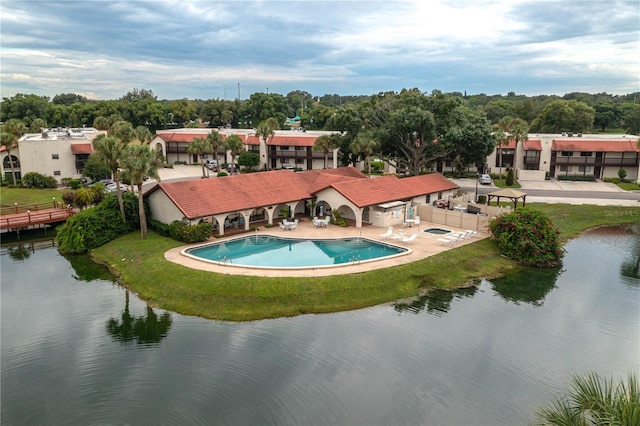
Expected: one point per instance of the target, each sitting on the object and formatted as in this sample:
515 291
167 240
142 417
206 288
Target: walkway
34 216
423 246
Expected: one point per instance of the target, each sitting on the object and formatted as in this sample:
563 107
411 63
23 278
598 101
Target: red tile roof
285 140
206 197
391 188
600 145
532 145
81 148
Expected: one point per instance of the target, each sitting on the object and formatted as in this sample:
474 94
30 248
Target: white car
484 179
112 187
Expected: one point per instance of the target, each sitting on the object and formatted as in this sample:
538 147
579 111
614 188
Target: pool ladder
354 259
224 260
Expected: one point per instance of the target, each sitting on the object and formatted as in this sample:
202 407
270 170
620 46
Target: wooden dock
23 217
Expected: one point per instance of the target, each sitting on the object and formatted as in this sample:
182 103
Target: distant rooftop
63 133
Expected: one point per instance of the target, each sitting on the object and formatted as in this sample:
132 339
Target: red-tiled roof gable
205 197
81 148
198 198
284 140
601 145
252 140
532 145
367 192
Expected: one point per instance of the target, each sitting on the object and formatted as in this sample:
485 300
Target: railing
17 208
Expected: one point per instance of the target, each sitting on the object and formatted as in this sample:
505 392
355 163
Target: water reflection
88 270
630 267
143 330
527 285
435 302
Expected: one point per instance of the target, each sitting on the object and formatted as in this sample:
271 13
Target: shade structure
512 194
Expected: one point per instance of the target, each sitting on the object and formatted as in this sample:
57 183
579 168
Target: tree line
575 112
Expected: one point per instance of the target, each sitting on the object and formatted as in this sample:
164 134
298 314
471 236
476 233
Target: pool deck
423 246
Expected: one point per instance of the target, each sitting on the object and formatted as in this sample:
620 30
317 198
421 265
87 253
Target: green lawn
23 196
629 186
502 183
241 298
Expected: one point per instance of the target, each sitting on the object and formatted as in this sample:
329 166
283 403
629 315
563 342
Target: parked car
112 187
212 165
485 179
105 182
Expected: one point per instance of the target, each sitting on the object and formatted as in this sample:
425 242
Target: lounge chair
387 234
409 239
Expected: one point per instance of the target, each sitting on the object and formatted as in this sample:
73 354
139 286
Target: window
284 148
584 169
300 148
300 161
56 172
566 153
586 154
563 168
55 157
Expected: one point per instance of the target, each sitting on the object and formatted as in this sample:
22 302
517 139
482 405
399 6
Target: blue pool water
267 251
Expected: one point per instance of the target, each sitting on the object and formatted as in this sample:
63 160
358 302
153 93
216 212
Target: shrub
528 237
75 183
190 233
69 198
220 174
33 180
612 180
578 178
509 180
159 227
65 181
50 182
482 199
96 226
622 173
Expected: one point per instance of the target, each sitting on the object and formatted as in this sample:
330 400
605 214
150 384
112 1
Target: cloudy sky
210 49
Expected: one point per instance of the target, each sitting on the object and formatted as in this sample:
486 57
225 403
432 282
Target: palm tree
11 132
141 161
143 135
123 131
501 131
365 143
199 147
215 140
324 143
110 150
596 401
234 144
265 131
519 130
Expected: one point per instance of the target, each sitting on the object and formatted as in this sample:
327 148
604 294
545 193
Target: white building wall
162 208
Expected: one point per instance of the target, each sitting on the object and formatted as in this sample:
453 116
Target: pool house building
239 200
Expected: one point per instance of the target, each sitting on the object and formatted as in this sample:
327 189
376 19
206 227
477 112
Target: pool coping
406 251
423 246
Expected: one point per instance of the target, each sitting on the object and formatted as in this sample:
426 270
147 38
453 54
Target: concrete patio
423 246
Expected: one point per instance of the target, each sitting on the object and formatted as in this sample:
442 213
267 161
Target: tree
10 133
215 140
594 400
199 147
234 145
561 115
507 129
110 150
96 169
367 144
143 135
470 139
324 144
37 125
265 131
123 130
141 161
250 160
632 120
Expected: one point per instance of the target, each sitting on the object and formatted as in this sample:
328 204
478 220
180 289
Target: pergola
509 193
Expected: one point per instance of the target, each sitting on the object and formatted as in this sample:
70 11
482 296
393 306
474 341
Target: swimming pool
268 251
437 231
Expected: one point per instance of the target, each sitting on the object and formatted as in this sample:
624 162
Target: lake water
77 348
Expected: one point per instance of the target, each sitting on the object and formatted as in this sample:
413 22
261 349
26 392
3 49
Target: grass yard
241 298
23 196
